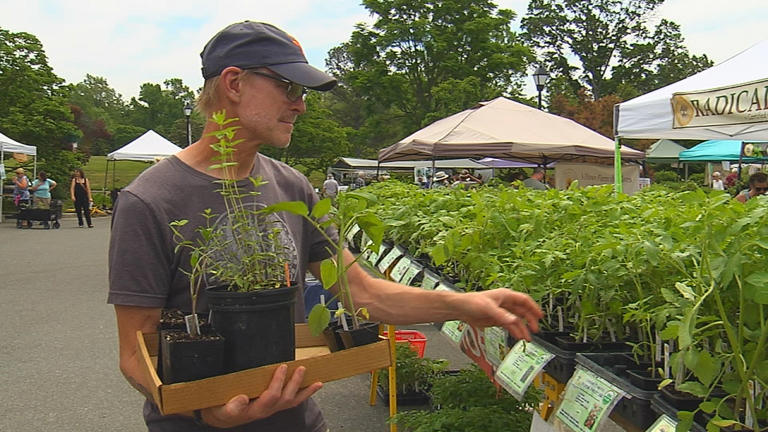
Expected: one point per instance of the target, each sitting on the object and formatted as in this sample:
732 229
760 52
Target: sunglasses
761 189
293 91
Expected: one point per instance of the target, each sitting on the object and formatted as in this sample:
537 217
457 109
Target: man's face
266 114
759 189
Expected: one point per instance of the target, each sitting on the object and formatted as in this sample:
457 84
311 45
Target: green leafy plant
244 251
413 373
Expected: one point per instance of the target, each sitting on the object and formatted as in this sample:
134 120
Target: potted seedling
241 259
413 376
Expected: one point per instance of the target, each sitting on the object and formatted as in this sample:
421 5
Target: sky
138 41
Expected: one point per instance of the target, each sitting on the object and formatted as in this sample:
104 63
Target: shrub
665 176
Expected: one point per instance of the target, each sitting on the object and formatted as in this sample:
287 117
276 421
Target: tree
161 107
605 37
397 70
33 108
594 114
317 139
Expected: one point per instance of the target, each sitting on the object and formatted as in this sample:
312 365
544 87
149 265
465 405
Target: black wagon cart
48 217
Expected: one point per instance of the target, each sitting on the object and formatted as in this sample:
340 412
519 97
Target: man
535 181
257 74
330 188
758 185
359 181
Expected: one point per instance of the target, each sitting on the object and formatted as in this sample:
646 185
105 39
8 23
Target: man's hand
516 312
280 395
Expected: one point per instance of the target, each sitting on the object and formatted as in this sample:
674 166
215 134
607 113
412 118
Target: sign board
453 330
389 258
593 174
587 401
754 149
520 367
473 344
495 345
730 105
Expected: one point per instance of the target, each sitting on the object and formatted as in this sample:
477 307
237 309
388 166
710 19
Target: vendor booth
11 146
149 147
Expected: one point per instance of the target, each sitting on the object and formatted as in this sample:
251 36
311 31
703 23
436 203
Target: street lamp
540 78
187 113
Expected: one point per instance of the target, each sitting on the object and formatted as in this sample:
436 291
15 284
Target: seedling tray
311 352
660 406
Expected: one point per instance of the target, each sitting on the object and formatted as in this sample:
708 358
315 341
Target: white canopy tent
149 147
651 115
8 145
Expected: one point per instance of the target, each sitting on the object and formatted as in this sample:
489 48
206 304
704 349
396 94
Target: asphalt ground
58 344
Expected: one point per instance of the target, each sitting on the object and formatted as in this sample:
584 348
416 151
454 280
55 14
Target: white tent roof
650 115
9 145
503 128
147 147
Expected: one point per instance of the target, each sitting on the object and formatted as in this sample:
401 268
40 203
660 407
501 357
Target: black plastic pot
332 337
258 326
681 401
642 379
660 406
186 359
570 344
367 333
403 398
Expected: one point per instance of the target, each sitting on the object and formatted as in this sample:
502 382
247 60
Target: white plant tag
658 347
666 360
342 317
560 324
611 332
193 325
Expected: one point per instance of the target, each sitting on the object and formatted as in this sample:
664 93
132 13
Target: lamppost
540 78
187 113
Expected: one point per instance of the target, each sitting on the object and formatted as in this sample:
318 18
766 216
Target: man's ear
230 84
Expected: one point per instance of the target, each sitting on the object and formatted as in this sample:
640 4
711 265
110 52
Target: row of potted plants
681 273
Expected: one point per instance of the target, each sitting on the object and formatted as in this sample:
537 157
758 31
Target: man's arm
129 320
394 303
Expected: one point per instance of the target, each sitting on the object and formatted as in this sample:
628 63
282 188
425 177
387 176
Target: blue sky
133 42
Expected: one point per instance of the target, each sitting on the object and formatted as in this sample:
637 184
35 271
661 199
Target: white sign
735 104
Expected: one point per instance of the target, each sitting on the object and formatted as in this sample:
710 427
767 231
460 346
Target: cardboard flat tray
311 352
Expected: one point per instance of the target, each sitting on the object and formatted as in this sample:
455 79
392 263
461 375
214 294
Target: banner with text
735 104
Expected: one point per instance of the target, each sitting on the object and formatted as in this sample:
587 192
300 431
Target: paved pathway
58 345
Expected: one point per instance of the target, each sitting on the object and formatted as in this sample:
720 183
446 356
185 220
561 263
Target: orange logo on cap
295 42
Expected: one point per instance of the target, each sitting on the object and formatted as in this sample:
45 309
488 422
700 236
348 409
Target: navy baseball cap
250 45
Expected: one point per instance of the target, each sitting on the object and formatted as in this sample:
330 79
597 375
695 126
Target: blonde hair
208 100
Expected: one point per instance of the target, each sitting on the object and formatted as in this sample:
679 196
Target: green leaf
318 319
321 208
722 422
328 274
685 290
694 388
759 280
438 254
708 407
686 421
295 207
671 331
665 383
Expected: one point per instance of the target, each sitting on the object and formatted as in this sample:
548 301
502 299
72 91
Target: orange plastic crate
415 339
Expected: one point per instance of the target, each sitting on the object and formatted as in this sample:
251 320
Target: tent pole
617 169
106 176
113 173
2 162
378 166
432 180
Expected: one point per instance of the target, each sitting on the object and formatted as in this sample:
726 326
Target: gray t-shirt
532 183
145 267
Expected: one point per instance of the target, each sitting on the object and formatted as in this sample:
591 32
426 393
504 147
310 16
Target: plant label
430 280
587 401
473 344
663 424
351 233
389 258
193 325
411 273
495 345
453 330
400 269
524 361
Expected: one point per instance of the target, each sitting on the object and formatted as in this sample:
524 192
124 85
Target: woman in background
80 192
41 188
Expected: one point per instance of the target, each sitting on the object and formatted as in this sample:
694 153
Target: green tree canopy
607 47
398 73
34 109
161 108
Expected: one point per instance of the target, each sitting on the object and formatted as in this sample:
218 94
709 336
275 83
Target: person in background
359 181
41 188
535 181
330 188
717 182
758 185
20 193
732 178
80 192
441 180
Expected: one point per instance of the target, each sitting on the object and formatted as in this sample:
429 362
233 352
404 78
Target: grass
124 172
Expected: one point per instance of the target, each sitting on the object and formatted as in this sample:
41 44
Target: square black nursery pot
188 359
